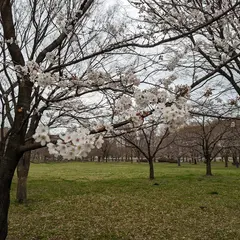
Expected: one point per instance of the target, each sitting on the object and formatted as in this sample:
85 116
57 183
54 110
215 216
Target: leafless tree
205 136
148 141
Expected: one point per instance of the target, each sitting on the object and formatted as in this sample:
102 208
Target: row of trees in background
205 139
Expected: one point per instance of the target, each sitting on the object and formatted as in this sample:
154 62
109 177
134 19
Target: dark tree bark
4 205
22 174
151 169
179 161
208 167
8 164
235 160
226 160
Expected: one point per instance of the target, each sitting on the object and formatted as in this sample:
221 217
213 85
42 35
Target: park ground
113 201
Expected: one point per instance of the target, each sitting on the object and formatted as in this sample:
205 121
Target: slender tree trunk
226 160
179 161
22 174
208 167
235 160
151 169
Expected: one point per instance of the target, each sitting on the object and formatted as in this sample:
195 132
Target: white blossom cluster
97 78
36 75
42 135
70 145
145 97
124 103
173 115
168 106
131 78
169 80
171 108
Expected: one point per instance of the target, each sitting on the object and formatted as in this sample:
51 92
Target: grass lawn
112 201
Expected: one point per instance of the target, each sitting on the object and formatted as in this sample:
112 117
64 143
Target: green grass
98 201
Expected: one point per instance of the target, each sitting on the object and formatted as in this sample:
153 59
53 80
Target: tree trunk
5 184
179 161
208 167
151 169
226 160
235 160
4 206
8 164
22 174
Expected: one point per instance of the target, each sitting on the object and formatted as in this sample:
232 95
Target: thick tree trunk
151 169
8 164
208 167
4 206
22 174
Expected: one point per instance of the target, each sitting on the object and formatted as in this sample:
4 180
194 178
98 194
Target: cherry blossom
42 138
99 142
